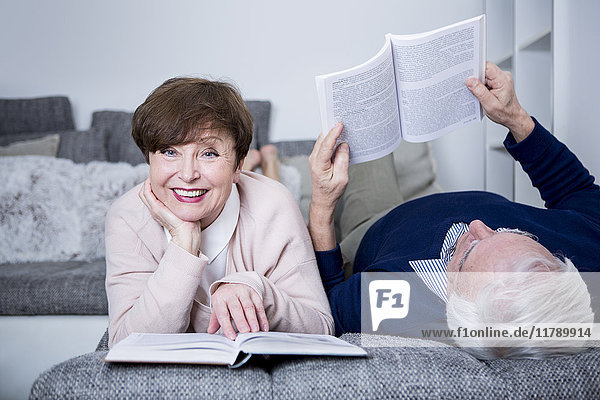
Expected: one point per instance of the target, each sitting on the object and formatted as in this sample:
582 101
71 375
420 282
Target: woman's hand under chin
186 235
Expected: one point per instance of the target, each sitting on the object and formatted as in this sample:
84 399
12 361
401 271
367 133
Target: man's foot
270 161
253 160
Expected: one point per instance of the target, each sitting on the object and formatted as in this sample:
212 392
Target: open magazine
413 88
204 348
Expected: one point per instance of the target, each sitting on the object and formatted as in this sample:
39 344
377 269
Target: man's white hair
538 291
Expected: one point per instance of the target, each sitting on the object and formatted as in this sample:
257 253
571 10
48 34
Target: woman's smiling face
194 180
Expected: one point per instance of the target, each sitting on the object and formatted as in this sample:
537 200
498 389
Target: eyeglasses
452 249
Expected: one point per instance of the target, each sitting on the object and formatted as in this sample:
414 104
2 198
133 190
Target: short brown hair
177 110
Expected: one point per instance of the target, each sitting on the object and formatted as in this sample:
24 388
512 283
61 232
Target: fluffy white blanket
52 209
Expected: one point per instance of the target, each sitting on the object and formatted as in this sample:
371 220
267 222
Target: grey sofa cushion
402 371
53 288
79 146
415 170
436 372
82 146
103 343
88 377
116 126
35 115
261 114
27 119
294 148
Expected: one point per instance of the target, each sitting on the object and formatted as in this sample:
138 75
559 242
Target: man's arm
554 170
563 182
329 180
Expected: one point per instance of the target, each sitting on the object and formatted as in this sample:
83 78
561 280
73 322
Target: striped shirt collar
433 271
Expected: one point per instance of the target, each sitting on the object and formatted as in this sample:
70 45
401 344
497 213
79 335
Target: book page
364 99
205 348
431 73
284 343
189 348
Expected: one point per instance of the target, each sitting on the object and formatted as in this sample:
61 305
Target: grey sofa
51 288
396 368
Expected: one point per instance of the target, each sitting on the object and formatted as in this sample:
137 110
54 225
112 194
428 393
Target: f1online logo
389 299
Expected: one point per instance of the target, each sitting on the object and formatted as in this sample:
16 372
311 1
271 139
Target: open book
204 348
414 88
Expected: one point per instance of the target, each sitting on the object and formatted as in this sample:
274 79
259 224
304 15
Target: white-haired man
474 237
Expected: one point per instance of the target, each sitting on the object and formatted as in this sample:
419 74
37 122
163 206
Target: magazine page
364 99
432 69
188 348
285 343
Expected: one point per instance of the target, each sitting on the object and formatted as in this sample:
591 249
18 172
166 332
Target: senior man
460 233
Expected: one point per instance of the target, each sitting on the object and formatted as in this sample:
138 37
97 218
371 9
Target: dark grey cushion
35 115
79 146
103 343
88 377
436 372
116 125
261 114
295 148
19 137
53 288
82 146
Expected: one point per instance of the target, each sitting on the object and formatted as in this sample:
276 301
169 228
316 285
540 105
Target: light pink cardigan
153 286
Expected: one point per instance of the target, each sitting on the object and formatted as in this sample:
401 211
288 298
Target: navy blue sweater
569 225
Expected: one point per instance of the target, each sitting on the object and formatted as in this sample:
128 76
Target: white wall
112 53
576 65
33 344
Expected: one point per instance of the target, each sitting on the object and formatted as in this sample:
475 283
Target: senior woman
200 245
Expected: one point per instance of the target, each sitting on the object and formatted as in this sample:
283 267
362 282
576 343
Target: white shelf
506 64
533 83
495 135
519 41
500 41
500 168
540 42
531 19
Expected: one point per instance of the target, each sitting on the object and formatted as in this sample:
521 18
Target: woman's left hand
240 303
186 235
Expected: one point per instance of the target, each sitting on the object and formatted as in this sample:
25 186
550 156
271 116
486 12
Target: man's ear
238 171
